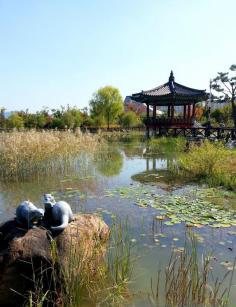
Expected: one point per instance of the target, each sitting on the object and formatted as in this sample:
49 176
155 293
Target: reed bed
23 154
209 162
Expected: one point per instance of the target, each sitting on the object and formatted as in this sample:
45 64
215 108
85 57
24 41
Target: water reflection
111 163
78 179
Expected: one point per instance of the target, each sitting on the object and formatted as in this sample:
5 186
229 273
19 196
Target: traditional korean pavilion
170 95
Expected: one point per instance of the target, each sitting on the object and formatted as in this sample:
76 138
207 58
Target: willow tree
225 83
107 102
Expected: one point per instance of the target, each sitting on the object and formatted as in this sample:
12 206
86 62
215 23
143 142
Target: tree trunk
233 104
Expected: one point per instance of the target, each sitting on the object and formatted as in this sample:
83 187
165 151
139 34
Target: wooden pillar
194 110
172 111
185 111
154 115
148 121
168 110
189 110
147 112
154 112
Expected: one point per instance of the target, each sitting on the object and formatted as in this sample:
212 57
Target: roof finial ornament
171 78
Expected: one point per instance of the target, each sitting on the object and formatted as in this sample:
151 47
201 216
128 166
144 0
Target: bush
210 162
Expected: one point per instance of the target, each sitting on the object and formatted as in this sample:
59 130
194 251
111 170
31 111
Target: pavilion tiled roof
170 90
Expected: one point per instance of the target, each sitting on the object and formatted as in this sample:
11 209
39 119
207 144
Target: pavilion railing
205 132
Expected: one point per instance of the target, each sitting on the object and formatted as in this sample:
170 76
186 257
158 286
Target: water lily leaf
169 223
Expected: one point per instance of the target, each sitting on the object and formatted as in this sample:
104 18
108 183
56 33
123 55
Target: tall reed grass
189 281
27 153
211 163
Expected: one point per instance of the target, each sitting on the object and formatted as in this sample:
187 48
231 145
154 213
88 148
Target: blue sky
58 52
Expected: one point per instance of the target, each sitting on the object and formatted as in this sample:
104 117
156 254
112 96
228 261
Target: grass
188 282
210 163
23 154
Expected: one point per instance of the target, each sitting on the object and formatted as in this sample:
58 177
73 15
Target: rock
25 254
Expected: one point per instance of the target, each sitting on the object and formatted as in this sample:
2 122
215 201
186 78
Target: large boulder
29 255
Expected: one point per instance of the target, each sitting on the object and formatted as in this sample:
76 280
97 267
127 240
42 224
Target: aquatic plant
23 154
197 208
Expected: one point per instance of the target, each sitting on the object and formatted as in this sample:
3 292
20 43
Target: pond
161 212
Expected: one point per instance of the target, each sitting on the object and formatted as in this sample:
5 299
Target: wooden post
154 118
168 110
148 121
147 111
194 110
189 110
185 111
172 111
154 112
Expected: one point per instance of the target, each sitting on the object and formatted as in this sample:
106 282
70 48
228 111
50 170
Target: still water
123 185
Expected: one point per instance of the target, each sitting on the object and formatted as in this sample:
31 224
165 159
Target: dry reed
28 153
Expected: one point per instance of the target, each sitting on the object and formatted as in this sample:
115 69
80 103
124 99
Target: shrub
211 162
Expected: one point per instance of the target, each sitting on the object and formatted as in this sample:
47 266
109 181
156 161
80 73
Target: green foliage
223 115
129 119
212 163
72 118
107 103
15 121
225 85
2 118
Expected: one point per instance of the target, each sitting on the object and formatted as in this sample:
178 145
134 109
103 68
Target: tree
226 84
72 118
15 121
107 103
2 117
129 119
222 115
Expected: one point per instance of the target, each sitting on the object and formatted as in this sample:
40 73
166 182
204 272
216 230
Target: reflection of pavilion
170 95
